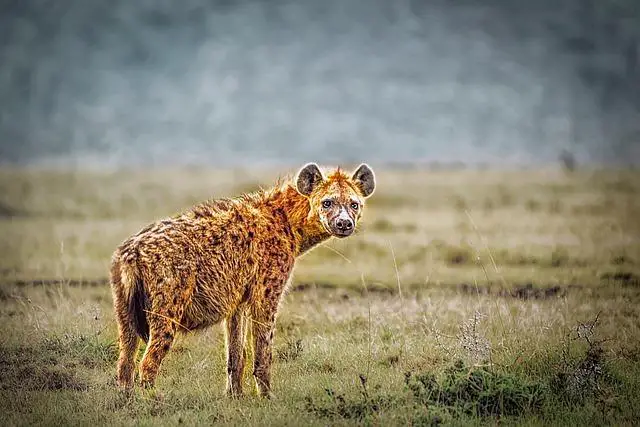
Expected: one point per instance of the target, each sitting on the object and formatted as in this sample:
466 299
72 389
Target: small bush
337 405
460 203
457 255
532 205
621 259
559 257
391 360
291 351
588 375
477 391
476 346
577 383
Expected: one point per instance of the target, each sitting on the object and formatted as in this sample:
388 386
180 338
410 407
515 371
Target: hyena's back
199 262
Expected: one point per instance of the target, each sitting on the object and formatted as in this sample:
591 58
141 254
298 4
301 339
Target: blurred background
95 84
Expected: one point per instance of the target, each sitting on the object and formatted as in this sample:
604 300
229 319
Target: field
467 297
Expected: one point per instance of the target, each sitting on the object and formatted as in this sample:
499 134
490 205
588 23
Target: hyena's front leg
235 337
262 340
262 328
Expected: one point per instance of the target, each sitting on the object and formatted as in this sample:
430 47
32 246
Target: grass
468 297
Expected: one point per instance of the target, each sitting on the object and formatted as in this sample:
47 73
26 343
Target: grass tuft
337 405
291 351
477 391
89 350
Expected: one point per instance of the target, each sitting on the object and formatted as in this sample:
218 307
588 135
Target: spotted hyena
226 260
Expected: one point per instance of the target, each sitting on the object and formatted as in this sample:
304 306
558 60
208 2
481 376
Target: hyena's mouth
342 234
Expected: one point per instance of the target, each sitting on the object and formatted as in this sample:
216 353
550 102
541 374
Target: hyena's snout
343 226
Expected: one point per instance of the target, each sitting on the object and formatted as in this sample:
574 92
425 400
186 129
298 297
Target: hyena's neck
307 229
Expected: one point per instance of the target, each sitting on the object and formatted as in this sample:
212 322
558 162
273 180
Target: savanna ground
467 297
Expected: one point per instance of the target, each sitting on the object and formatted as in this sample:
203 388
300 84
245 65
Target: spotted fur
226 260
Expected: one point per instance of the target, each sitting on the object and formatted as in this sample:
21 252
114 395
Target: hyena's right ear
307 179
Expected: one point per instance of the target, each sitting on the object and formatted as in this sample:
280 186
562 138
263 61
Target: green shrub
477 391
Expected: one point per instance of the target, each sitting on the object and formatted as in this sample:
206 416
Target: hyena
226 260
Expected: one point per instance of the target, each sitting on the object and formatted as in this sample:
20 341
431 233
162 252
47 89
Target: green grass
488 296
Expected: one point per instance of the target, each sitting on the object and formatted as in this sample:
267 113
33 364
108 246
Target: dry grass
497 269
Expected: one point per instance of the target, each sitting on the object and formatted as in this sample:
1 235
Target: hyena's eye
326 204
355 206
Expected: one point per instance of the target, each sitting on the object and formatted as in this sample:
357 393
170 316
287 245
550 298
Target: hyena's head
336 199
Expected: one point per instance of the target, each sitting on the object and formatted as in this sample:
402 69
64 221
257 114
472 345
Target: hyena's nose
343 224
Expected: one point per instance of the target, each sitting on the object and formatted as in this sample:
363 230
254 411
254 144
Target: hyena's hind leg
236 329
161 336
127 337
164 317
128 342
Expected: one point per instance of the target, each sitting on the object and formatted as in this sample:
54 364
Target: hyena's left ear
365 179
307 179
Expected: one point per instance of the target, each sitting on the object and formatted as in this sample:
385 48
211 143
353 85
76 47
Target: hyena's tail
131 299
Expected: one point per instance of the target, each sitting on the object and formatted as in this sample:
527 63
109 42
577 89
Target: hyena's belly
210 305
195 318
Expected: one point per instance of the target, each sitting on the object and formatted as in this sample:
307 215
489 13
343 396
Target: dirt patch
40 378
356 288
528 291
7 211
525 291
71 282
20 369
625 278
